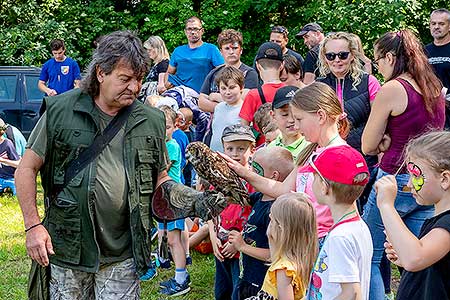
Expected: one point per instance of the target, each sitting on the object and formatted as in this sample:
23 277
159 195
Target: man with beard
230 45
190 63
312 35
439 52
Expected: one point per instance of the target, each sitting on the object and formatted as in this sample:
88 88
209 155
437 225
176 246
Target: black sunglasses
279 29
332 56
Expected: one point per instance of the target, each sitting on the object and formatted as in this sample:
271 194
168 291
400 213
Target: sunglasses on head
341 55
311 160
279 29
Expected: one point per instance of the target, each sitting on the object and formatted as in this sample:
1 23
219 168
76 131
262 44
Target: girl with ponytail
319 116
408 105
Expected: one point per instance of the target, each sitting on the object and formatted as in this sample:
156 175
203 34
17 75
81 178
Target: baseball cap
283 96
339 164
309 27
270 50
238 132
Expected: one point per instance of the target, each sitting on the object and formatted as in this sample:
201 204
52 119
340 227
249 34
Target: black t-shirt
160 67
209 85
439 58
254 233
434 281
296 55
310 64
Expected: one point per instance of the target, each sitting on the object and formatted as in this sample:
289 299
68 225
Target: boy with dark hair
342 269
275 163
269 62
290 136
60 72
9 159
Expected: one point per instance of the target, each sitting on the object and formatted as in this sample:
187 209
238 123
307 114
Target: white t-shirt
224 115
345 257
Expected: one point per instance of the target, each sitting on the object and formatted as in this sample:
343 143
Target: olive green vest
72 124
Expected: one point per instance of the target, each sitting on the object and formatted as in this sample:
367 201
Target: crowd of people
345 176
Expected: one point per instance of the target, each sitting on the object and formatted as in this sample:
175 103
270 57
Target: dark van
20 98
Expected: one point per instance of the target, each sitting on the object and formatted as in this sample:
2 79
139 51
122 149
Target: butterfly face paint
417 176
257 168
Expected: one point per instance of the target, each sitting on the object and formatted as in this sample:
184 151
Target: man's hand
39 245
228 250
51 92
217 245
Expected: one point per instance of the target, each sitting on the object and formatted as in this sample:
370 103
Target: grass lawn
15 264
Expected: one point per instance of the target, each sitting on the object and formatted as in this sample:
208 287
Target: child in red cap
342 268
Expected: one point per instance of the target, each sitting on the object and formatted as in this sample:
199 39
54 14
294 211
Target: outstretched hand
39 245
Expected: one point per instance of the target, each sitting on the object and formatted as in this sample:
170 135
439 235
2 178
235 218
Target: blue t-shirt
7 151
173 149
60 75
181 138
194 64
254 233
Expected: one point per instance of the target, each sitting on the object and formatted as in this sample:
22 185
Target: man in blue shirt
190 63
60 73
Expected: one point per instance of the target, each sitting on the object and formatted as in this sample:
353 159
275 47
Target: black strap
10 135
261 95
97 146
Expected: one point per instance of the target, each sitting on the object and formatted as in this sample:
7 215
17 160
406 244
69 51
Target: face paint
417 177
257 168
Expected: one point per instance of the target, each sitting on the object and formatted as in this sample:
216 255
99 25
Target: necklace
332 140
342 219
345 215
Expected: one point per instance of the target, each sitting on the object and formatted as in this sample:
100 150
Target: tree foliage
27 26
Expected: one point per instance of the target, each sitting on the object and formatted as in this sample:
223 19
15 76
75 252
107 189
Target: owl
213 168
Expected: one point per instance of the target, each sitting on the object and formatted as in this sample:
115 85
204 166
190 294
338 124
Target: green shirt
111 213
295 148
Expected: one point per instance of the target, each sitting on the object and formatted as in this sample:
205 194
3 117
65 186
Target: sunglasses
279 29
341 55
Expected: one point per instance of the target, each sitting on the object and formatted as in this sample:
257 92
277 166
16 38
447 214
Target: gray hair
119 46
441 11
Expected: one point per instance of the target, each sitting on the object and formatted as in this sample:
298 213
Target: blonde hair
292 233
433 147
276 159
319 96
356 68
158 44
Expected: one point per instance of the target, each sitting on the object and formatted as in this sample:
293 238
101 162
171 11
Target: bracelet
33 226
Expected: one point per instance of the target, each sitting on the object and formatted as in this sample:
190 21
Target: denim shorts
177 224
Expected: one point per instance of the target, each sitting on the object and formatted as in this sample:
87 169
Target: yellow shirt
269 288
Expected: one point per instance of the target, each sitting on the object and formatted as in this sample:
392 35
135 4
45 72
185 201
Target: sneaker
165 284
165 264
188 260
176 289
151 273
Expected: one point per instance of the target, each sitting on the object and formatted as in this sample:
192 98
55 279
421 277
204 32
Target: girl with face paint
426 258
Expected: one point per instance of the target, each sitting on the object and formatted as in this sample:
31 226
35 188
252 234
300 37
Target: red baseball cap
339 164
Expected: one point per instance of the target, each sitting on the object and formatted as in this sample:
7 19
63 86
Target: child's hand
236 166
386 189
228 250
217 244
235 238
391 254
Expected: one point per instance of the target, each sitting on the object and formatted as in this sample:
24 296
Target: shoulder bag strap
261 95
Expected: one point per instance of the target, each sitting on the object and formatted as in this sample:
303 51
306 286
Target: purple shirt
7 151
413 122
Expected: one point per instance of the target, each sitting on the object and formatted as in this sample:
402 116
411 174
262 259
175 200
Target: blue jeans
227 279
412 214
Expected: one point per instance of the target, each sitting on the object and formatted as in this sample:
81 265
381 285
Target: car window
8 88
33 93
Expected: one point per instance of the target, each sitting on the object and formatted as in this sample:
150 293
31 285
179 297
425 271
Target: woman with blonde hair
157 51
340 67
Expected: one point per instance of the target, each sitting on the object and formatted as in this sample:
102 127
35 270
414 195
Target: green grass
15 264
